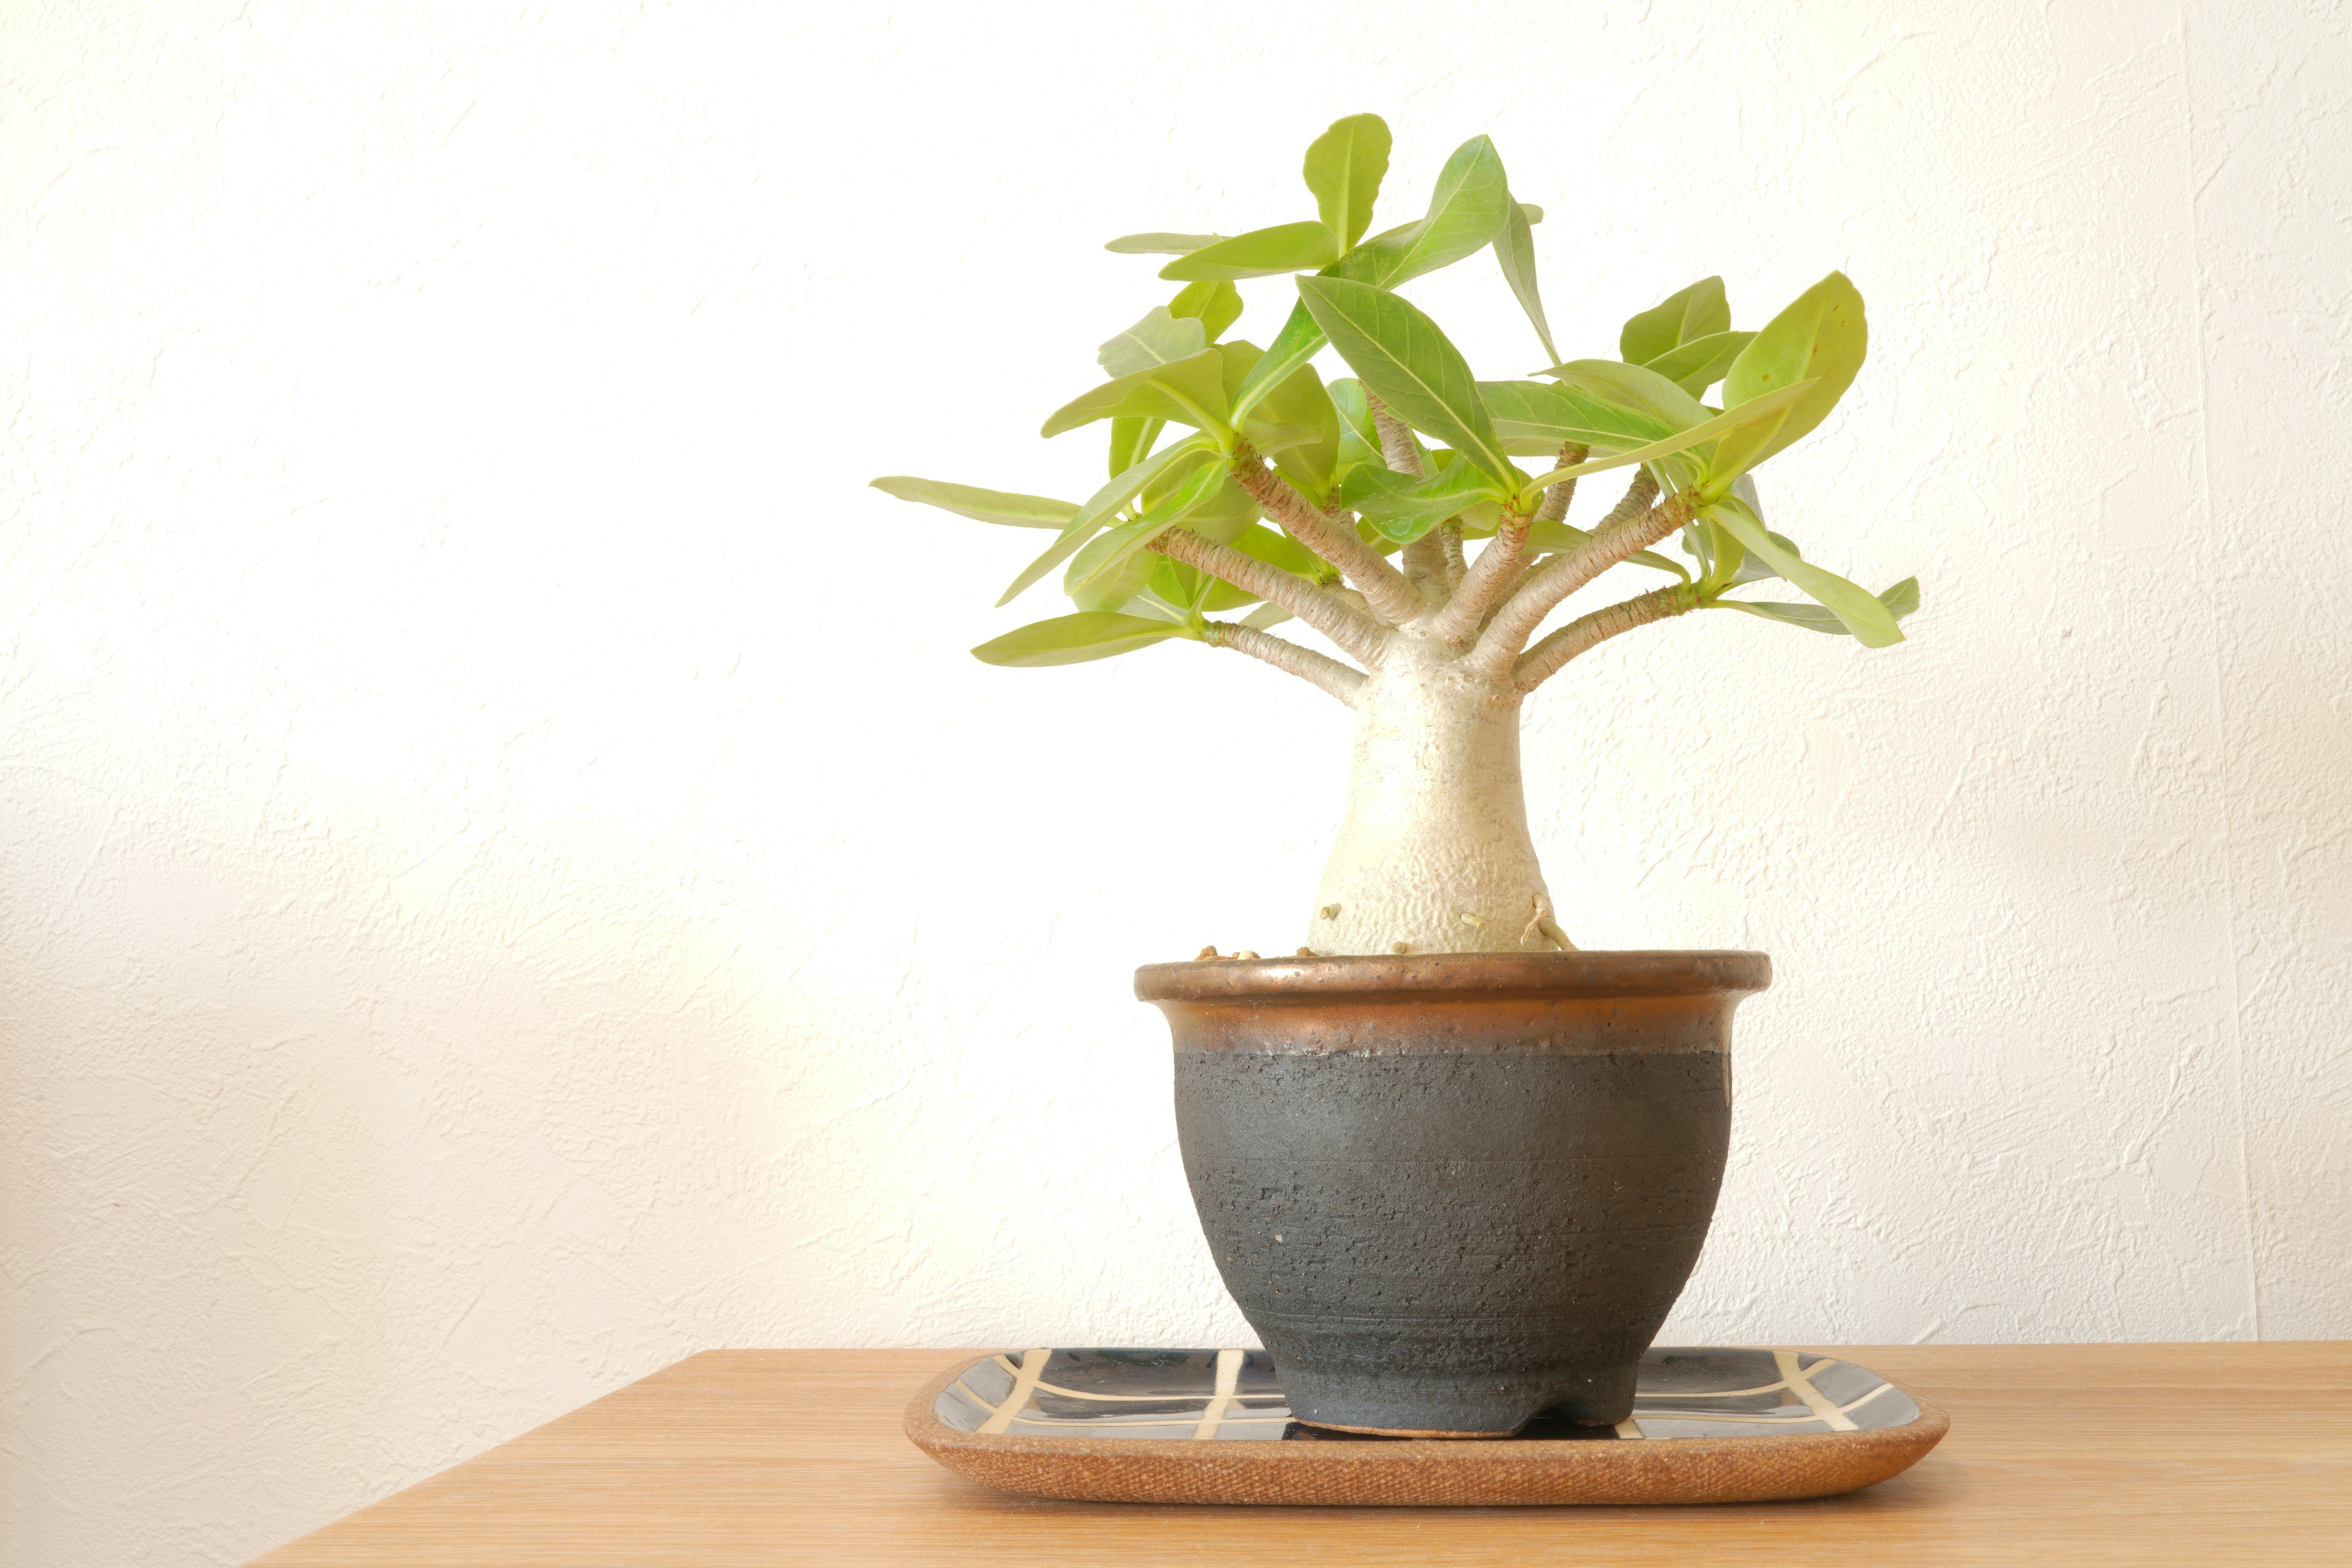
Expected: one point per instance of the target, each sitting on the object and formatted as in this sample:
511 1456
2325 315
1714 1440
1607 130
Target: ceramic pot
1452 1192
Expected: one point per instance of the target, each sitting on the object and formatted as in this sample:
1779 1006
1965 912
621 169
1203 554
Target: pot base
1399 1405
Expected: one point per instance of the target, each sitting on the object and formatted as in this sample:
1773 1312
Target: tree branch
1556 500
1544 660
1359 634
1499 564
1517 621
1384 588
1449 540
1424 558
1305 663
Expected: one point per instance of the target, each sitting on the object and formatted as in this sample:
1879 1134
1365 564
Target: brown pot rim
1631 972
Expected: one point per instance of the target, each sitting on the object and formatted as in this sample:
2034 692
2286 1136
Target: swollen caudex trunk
1433 854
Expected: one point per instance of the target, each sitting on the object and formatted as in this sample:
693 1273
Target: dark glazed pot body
1452 1192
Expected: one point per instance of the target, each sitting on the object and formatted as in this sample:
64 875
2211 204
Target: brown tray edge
1441 1473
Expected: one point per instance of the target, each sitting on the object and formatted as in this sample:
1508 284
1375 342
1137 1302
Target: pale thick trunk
1433 854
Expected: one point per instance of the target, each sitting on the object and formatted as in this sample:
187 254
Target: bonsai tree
1242 481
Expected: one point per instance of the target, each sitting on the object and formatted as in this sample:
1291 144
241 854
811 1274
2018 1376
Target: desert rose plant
1240 480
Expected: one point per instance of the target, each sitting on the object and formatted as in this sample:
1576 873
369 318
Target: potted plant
1453 1170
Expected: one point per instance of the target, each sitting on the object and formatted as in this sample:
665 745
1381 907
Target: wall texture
508 877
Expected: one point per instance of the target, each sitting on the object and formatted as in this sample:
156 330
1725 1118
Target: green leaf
1466 211
1515 247
1216 306
1117 547
1761 408
1871 622
1400 355
1299 341
1359 442
1899 601
985 506
1404 508
1262 544
1160 244
1262 252
1344 168
1130 437
1090 517
1699 363
1546 537
1549 415
1697 312
1301 403
1191 391
1266 615
1637 386
1160 338
1074 640
1821 338
1094 583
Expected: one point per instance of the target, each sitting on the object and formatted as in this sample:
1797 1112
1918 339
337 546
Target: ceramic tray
1210 1426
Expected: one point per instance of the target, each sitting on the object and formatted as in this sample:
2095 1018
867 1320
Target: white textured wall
508 877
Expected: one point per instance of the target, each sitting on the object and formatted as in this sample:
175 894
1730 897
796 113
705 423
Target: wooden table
2137 1455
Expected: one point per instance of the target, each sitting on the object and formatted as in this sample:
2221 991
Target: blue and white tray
1211 1426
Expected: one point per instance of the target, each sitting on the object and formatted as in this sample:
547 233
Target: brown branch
1423 558
1449 538
1396 438
1357 632
1524 611
1633 503
1305 663
1586 633
1556 500
1499 564
1384 588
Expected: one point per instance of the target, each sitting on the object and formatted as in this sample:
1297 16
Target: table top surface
2058 1454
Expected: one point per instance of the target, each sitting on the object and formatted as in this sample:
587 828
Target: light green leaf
1552 413
1697 312
1122 489
1160 244
1821 338
1871 622
1263 543
1266 615
1299 341
1176 583
1899 601
1191 391
1130 437
1300 403
1771 406
1466 211
1404 508
1700 363
1074 640
1117 546
1400 355
1215 305
1544 538
1160 338
1261 253
985 506
1093 586
1515 247
1637 386
1359 442
1344 168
